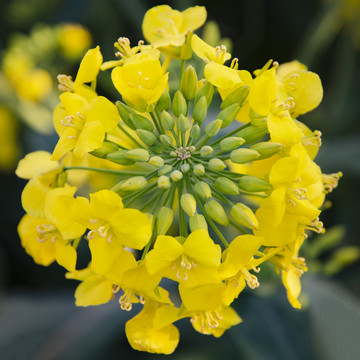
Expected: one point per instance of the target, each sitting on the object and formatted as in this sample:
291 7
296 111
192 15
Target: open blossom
201 202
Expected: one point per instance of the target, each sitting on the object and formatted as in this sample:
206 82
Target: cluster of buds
199 196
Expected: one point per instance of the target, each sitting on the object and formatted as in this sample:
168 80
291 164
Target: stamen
250 279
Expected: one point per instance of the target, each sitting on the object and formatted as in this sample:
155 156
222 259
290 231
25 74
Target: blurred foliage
322 34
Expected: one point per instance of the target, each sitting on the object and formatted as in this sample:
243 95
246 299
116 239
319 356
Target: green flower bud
166 139
200 110
167 121
148 137
213 127
183 123
239 95
216 212
195 132
179 104
252 134
141 122
231 143
206 90
244 216
119 157
267 149
185 168
242 156
188 85
203 190
257 120
188 203
134 184
107 148
125 112
137 155
206 150
254 184
216 164
156 161
165 218
164 170
197 222
226 186
164 103
164 182
199 169
228 114
176 175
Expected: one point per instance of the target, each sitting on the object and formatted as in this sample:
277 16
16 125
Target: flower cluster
198 199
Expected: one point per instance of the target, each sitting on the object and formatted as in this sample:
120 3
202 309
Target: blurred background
42 38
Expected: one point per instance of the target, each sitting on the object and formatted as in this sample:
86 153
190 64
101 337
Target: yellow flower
82 125
140 81
162 26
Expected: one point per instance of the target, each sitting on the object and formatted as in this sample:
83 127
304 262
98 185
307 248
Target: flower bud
226 186
188 85
199 169
164 182
179 104
197 222
156 161
203 190
267 149
185 168
257 120
164 170
183 123
213 127
242 156
200 110
167 121
216 164
164 102
119 157
176 175
125 112
137 155
231 143
134 184
107 148
254 184
239 95
216 212
188 203
166 139
147 137
206 150
244 216
206 90
141 122
252 133
228 114
164 220
195 132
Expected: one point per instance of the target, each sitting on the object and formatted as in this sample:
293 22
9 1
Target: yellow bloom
140 81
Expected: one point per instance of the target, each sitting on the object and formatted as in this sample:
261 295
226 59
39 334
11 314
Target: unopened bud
107 148
164 182
185 168
206 150
137 155
228 114
244 216
164 103
164 220
197 222
119 157
203 190
183 123
134 184
206 90
179 104
216 164
195 132
231 143
176 175
267 149
156 161
141 122
199 169
188 85
226 186
166 139
216 212
125 112
254 184
200 110
252 133
147 137
239 95
188 203
242 156
167 121
213 127
165 170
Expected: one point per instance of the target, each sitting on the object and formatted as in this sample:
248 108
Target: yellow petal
33 197
66 255
89 66
103 111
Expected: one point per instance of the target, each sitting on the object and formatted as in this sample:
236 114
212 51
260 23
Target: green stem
130 136
182 222
108 171
230 134
157 123
128 199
